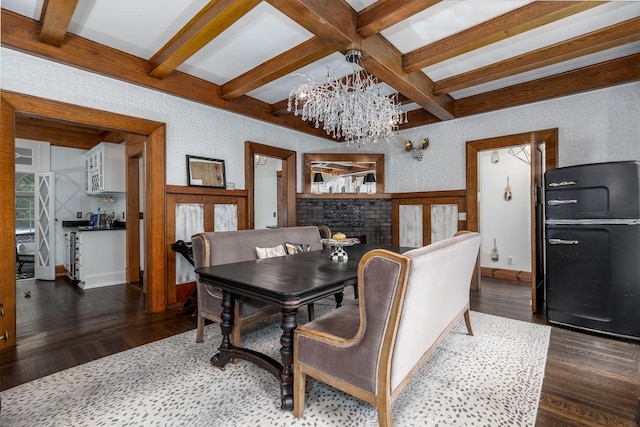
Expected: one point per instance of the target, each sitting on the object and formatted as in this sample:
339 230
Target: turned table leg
288 325
224 351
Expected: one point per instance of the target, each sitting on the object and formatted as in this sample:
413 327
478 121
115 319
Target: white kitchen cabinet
100 258
105 169
67 250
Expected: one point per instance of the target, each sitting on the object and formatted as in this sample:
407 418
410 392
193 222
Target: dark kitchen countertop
84 226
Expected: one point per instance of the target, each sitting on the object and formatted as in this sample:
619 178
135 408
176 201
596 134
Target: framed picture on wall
205 172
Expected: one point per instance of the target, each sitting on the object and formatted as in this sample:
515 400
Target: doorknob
6 336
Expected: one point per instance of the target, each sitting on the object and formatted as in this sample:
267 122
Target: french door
44 264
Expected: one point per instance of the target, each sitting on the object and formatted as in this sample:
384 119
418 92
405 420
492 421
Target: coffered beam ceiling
210 22
336 27
615 35
286 63
508 25
336 23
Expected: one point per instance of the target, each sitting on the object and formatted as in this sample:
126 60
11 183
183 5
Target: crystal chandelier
350 108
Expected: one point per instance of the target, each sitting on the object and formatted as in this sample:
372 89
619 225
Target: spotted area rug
490 379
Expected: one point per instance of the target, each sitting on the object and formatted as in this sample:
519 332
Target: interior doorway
287 205
539 142
18 107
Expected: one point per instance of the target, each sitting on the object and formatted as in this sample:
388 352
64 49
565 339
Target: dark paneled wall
368 219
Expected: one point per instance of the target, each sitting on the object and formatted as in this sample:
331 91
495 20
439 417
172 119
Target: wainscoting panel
411 226
444 222
191 210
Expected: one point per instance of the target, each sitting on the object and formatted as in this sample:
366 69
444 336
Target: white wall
595 126
506 221
266 193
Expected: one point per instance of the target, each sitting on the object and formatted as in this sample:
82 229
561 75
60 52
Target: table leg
288 325
224 351
339 297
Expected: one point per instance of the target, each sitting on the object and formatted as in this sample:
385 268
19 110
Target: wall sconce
416 152
369 179
259 160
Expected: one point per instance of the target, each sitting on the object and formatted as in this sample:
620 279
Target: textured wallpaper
596 126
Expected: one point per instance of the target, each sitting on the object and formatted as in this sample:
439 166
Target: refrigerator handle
561 184
561 202
562 242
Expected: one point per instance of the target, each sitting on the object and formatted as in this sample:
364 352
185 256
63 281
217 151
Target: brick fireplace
368 219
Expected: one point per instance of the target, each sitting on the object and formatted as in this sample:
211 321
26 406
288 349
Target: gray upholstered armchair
408 304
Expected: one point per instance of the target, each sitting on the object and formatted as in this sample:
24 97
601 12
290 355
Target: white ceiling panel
140 27
258 36
29 8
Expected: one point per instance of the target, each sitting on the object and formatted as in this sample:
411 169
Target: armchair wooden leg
467 321
235 334
200 329
384 413
299 384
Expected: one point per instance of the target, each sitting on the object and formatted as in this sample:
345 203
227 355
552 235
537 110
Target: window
25 202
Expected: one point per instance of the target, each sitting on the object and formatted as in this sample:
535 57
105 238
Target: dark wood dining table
288 282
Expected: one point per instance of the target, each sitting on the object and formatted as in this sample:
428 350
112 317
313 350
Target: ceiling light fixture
352 108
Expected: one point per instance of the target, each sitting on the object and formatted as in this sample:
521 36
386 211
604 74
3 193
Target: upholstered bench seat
408 303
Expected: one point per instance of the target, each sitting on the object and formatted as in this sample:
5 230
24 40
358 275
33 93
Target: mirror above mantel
343 173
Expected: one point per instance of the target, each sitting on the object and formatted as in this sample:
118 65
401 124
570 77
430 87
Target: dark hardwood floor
590 380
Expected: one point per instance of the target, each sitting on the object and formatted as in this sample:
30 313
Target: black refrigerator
592 247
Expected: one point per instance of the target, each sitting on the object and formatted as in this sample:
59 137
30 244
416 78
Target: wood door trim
289 180
16 104
549 136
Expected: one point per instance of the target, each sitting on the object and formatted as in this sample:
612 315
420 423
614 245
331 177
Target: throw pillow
296 248
271 252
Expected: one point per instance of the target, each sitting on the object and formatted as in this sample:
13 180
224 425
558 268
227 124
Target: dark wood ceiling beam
617 71
212 20
385 13
419 117
35 121
280 107
335 22
55 18
21 33
516 22
387 66
288 62
71 137
596 41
